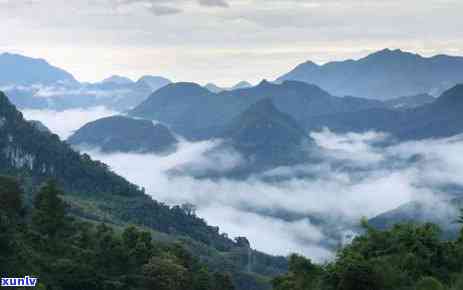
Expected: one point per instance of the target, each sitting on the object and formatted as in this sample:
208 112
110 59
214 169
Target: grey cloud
214 3
168 7
160 10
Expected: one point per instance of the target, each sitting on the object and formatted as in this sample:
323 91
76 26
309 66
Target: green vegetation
97 195
405 257
68 253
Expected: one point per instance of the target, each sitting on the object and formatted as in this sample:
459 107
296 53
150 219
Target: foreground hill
123 134
97 194
197 113
43 155
407 256
383 75
65 252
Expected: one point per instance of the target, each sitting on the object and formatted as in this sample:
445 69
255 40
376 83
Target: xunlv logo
19 282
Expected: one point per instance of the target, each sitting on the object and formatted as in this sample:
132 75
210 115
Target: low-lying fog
359 177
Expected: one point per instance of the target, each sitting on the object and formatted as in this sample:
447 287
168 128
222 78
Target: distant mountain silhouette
34 84
120 80
123 134
383 75
216 89
154 82
197 113
241 85
22 70
213 88
442 118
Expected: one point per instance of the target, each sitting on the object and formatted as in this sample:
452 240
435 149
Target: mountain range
35 84
383 75
406 95
197 113
441 118
97 194
24 71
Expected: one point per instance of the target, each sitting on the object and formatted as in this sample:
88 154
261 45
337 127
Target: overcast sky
222 41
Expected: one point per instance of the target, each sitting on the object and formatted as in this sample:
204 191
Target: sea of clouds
360 175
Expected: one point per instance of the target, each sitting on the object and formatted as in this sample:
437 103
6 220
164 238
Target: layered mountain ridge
383 75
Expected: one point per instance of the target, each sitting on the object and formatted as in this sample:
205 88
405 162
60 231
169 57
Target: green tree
460 221
458 285
202 280
10 195
164 273
223 281
429 283
49 210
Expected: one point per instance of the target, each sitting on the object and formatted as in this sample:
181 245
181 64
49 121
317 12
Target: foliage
95 193
68 253
405 257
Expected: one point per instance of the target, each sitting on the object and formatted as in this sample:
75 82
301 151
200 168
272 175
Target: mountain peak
265 120
268 136
22 70
391 53
264 83
154 82
382 75
242 85
117 79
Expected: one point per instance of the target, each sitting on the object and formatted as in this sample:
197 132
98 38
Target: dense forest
96 194
63 252
404 257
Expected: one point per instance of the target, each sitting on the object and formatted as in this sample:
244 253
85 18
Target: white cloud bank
64 123
358 177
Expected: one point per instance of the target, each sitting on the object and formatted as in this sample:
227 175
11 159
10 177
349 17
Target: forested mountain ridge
197 113
43 156
64 252
97 194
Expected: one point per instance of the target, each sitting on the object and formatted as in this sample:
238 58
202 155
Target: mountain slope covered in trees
62 252
97 194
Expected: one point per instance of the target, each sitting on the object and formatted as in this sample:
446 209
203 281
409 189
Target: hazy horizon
221 41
